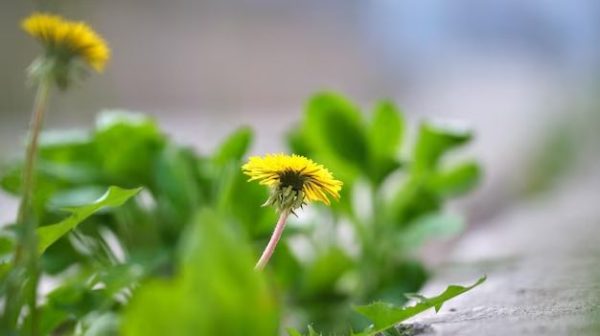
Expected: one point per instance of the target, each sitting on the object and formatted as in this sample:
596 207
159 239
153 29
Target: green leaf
74 197
67 147
457 180
385 137
48 235
10 178
382 167
234 147
176 191
98 324
433 142
335 126
216 292
413 200
47 184
386 130
311 332
322 275
85 295
284 263
127 145
298 143
244 202
430 226
118 277
51 319
7 246
385 316
406 276
293 332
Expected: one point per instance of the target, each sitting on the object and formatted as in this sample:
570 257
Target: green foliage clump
392 203
215 293
170 250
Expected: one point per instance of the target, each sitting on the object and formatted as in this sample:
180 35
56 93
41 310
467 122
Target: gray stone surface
542 260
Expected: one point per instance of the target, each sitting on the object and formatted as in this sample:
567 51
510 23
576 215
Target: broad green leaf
322 275
10 178
298 142
72 300
234 147
67 147
293 332
382 167
118 277
127 145
98 324
385 316
413 200
284 263
385 134
87 294
386 130
335 126
311 332
69 158
61 163
7 245
406 276
76 196
49 234
245 200
457 180
433 142
430 226
176 190
216 292
46 186
51 319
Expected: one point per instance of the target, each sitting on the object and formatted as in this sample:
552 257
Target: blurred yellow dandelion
294 180
64 39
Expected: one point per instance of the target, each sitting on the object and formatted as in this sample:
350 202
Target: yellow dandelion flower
294 180
65 40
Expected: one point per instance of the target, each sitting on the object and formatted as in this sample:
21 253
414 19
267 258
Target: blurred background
522 74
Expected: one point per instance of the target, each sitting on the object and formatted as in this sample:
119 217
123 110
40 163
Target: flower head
294 180
65 41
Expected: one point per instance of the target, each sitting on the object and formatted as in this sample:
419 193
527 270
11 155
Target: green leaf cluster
95 236
385 317
215 292
148 237
392 202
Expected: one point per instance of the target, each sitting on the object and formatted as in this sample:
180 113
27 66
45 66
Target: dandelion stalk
294 181
268 252
35 127
69 47
25 258
25 218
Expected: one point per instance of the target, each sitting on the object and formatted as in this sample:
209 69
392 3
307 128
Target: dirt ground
541 259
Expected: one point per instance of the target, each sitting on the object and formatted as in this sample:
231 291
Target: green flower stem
268 252
35 127
26 259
